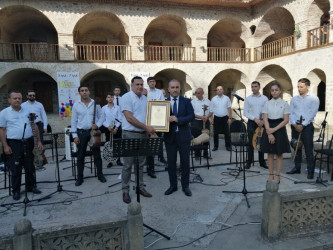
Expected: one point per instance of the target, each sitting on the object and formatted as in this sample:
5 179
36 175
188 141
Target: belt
39 122
18 140
83 130
138 132
220 116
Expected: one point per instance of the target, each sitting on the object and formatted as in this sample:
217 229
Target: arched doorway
317 78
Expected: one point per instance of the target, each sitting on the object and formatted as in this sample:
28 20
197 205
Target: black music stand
244 191
59 186
135 147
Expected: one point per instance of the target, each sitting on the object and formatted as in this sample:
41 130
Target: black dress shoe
119 163
228 148
170 190
79 182
248 166
264 166
214 149
152 174
34 190
187 191
16 196
109 165
310 176
145 193
162 160
294 171
126 198
102 179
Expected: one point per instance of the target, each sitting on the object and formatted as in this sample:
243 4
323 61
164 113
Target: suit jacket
185 116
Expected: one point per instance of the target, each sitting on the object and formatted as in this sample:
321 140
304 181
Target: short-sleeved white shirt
276 109
219 105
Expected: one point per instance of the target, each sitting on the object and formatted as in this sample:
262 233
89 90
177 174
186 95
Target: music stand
135 147
244 191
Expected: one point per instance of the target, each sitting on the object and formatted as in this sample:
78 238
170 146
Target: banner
144 76
68 83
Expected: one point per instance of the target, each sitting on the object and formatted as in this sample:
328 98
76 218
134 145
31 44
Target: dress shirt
38 109
198 106
276 109
253 106
115 100
307 107
111 114
155 94
137 106
219 105
14 122
82 116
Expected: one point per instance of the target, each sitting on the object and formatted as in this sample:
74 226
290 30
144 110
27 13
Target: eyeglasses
31 95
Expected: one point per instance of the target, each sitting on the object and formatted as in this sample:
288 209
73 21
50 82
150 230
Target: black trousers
251 128
40 126
221 126
84 136
150 159
22 156
307 140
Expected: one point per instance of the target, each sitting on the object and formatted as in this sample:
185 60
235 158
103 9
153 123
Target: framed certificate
158 113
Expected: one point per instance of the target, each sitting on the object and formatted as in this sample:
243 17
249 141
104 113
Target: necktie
117 101
174 110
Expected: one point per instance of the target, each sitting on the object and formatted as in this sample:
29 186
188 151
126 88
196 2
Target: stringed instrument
257 136
38 153
95 134
108 150
204 130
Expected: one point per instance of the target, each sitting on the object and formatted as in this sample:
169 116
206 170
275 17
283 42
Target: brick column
66 47
23 235
134 227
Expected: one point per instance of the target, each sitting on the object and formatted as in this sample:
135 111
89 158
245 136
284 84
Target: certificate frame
158 113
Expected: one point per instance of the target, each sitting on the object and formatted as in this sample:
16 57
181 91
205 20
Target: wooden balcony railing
93 52
223 54
319 36
29 52
276 48
170 53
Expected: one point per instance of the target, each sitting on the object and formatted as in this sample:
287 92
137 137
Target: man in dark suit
179 138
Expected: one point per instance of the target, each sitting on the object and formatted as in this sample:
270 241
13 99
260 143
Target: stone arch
101 81
317 78
277 23
275 73
164 76
232 80
24 24
167 30
318 13
26 78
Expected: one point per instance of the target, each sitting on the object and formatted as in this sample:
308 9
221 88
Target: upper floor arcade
103 33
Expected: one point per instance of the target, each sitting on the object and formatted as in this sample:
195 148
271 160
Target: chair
239 140
203 147
6 173
325 154
74 153
48 139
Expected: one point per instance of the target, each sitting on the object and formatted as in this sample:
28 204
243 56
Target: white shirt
276 109
307 107
219 105
253 106
198 106
14 122
111 114
155 94
137 106
82 116
38 109
115 100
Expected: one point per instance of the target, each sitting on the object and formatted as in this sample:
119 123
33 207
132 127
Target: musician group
125 117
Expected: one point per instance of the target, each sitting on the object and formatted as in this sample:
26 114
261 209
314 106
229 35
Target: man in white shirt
253 106
81 126
303 109
116 101
16 135
220 106
134 107
201 111
41 119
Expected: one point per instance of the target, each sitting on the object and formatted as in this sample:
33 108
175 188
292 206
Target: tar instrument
38 158
95 134
257 136
297 144
108 150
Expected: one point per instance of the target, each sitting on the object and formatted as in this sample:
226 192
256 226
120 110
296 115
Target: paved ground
210 219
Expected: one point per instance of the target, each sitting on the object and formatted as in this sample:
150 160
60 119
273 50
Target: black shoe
102 179
170 190
264 166
152 174
119 163
310 176
214 149
126 198
34 190
248 166
109 165
187 191
79 182
16 196
162 160
145 193
294 171
228 148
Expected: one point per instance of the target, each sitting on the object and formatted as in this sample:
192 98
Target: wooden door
101 90
44 94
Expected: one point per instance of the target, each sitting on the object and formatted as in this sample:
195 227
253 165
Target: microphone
237 96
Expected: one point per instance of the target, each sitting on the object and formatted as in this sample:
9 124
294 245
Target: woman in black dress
275 139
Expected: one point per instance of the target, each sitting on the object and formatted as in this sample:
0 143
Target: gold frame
162 107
